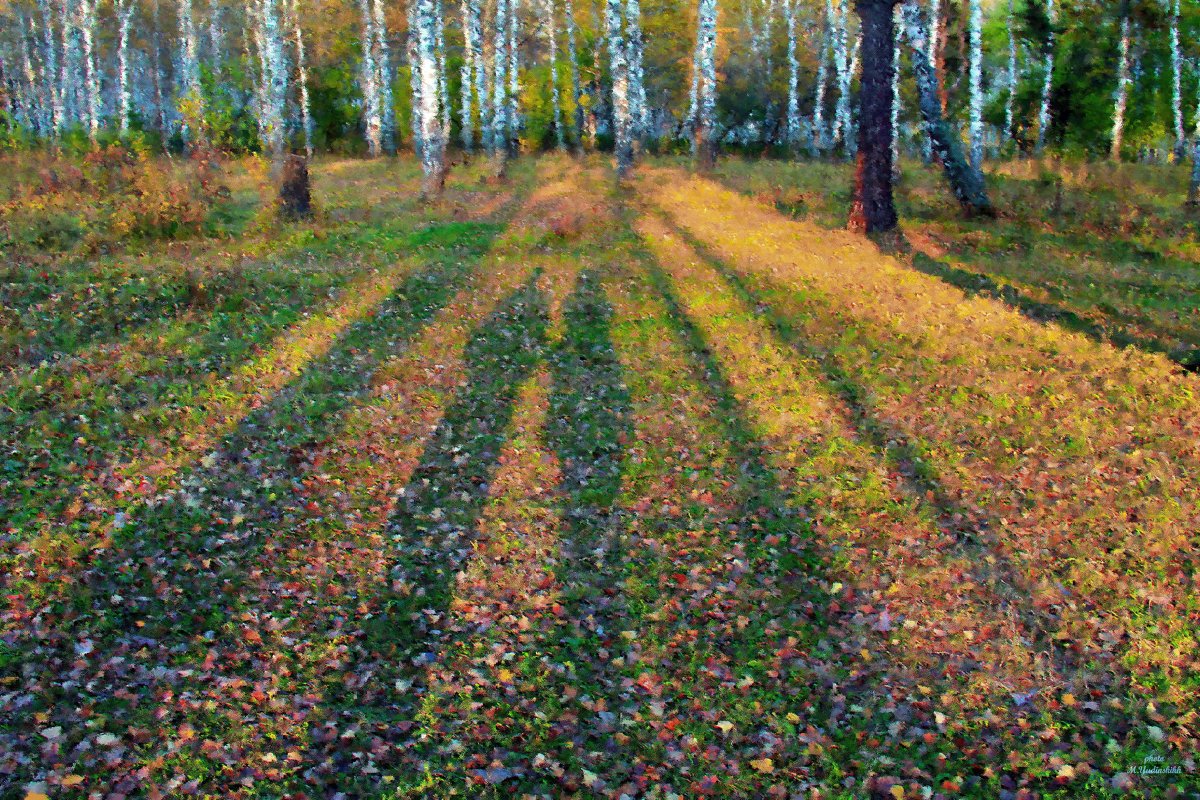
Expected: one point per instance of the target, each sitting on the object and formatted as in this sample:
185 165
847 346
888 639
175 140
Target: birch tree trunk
841 63
548 30
124 10
369 78
706 34
51 85
1010 102
433 133
975 36
637 80
793 102
1177 85
274 94
306 119
1121 94
874 210
820 133
1193 198
619 66
576 93
412 54
499 115
897 100
514 75
472 58
1047 80
383 80
443 74
966 183
189 61
91 74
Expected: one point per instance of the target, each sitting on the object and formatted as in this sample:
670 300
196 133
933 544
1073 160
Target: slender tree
636 67
369 78
975 36
619 66
874 210
1180 148
306 117
1013 78
966 183
705 139
433 132
1121 93
820 132
189 60
443 75
471 66
51 85
576 93
124 10
498 139
790 9
1048 49
549 31
512 112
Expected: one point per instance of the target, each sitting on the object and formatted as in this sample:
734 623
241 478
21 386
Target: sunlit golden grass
1073 460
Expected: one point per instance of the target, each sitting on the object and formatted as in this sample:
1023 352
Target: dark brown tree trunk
874 210
294 195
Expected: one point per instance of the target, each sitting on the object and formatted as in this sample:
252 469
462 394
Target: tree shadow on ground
169 584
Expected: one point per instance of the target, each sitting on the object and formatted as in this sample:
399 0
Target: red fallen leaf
251 635
312 506
679 578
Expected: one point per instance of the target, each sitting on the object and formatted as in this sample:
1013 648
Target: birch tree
498 138
514 74
1193 198
189 62
91 74
975 45
793 83
820 133
576 93
433 132
471 74
550 34
443 75
1010 102
1047 78
1177 85
844 73
274 86
383 64
369 78
124 10
966 183
306 118
706 114
619 66
1121 93
50 75
637 79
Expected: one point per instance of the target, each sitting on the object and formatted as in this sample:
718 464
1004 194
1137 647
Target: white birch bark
1194 187
189 61
820 132
793 102
706 112
369 78
637 79
513 122
274 90
412 53
51 85
619 66
306 118
91 74
576 93
124 10
1010 102
549 30
69 66
383 77
498 139
443 75
933 48
1177 84
897 100
975 44
1121 94
1047 79
472 56
433 132
844 73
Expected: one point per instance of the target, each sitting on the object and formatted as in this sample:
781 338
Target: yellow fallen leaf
72 780
1068 699
763 764
898 792
505 675
793 717
37 796
725 725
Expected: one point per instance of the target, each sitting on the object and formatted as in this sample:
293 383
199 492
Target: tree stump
295 197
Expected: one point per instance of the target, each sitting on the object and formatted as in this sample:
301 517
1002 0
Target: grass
555 488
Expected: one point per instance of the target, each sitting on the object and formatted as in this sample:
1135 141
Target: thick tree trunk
274 93
1121 94
706 114
966 183
874 210
1047 80
637 79
622 119
295 198
433 133
369 78
845 76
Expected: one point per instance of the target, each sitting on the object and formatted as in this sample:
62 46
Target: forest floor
556 489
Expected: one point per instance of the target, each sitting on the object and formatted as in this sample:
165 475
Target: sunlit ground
558 489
